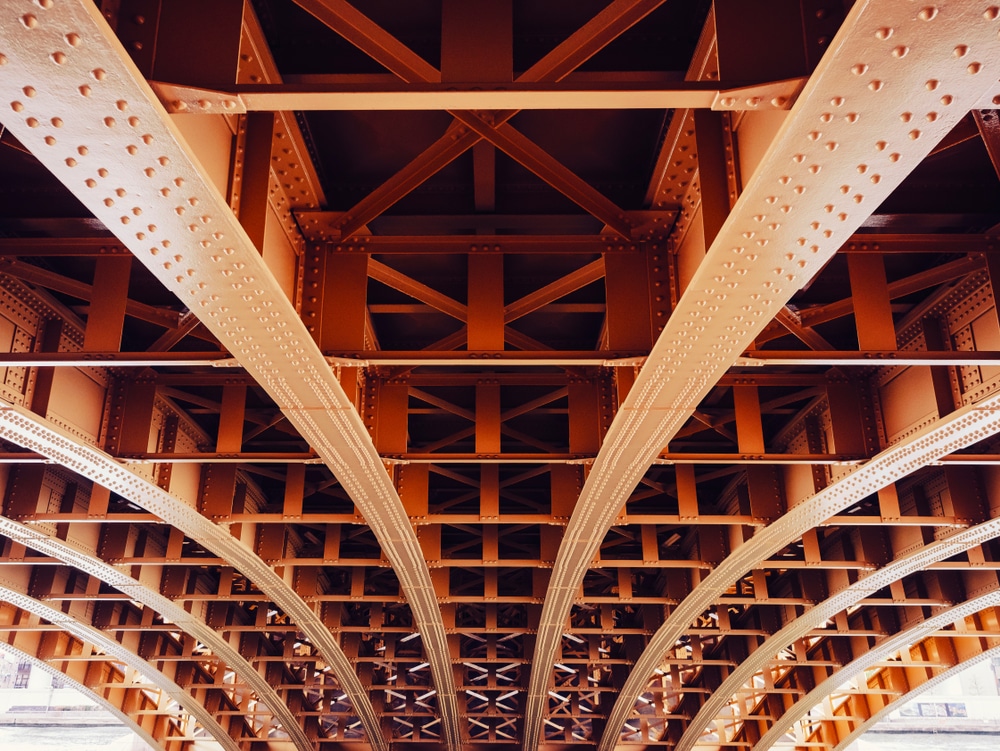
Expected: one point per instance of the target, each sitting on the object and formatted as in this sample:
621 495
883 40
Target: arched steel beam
116 136
103 701
15 595
74 555
792 217
880 652
961 428
937 675
868 583
31 431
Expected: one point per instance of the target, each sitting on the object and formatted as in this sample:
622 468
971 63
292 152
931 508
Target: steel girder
766 656
192 242
143 592
953 651
962 428
28 430
14 594
102 694
781 231
717 424
910 634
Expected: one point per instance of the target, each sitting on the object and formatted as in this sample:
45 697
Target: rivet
122 105
914 134
50 140
58 57
974 68
948 99
29 20
906 117
57 122
859 69
31 122
900 51
84 90
884 33
99 74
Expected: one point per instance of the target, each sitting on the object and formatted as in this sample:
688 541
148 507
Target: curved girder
873 656
179 616
961 428
102 701
116 134
868 583
111 647
787 224
936 676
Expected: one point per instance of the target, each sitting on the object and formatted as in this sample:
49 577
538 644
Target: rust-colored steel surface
460 373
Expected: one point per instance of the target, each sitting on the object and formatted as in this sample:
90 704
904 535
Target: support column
485 322
106 318
628 307
870 296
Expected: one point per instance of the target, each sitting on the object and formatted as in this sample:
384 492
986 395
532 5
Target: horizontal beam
864 358
621 95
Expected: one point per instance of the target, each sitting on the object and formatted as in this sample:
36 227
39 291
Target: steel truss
367 448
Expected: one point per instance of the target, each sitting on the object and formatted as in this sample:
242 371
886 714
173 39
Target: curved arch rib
882 651
90 693
195 246
763 655
787 224
184 620
115 650
909 696
32 432
961 428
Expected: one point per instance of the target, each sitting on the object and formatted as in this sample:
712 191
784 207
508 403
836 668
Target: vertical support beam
489 492
42 390
488 418
252 174
584 418
846 417
870 296
709 127
477 44
219 480
485 322
414 489
344 302
626 284
392 424
941 375
231 418
765 495
137 417
295 483
107 305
